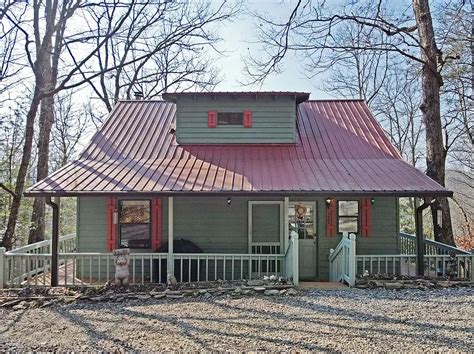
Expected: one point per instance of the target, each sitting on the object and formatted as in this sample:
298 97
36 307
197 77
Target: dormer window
230 118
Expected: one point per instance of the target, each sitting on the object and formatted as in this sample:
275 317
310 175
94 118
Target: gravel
345 320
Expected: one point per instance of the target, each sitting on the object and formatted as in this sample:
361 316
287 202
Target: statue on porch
121 266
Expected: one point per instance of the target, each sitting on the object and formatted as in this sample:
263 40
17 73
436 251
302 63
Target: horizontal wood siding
217 227
92 224
273 120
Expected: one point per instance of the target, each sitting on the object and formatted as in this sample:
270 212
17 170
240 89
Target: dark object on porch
181 275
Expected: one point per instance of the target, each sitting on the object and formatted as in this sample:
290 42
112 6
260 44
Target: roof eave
325 193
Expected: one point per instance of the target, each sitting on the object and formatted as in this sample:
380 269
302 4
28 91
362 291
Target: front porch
31 265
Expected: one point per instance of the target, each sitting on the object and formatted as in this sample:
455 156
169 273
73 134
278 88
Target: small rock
283 292
69 300
143 297
393 285
259 289
255 282
207 295
271 292
172 296
246 292
159 296
292 291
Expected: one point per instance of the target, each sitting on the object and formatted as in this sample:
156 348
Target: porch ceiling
340 150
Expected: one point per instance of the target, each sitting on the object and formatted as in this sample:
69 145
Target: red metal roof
340 148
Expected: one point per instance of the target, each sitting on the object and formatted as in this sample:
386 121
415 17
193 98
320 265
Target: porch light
229 201
372 201
328 202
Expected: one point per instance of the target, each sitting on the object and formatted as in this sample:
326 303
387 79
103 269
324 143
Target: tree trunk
9 236
46 119
431 82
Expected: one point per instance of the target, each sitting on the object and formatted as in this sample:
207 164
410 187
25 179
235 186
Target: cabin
236 185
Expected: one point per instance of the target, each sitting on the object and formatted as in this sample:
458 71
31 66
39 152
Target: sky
238 41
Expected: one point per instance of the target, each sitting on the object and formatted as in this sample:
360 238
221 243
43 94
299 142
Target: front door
302 220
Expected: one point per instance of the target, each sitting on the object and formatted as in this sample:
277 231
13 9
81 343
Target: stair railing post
352 260
3 250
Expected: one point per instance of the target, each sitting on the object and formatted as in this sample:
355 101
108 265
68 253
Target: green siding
92 224
217 227
273 120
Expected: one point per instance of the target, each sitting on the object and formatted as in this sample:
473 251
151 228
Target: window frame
348 216
292 204
119 223
230 124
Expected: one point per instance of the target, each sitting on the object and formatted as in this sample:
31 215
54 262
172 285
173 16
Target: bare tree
48 28
408 34
167 44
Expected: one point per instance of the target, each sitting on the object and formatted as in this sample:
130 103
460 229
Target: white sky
237 42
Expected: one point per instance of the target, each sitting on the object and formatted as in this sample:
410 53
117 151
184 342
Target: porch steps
323 285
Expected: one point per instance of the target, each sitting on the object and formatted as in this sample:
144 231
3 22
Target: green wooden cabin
237 173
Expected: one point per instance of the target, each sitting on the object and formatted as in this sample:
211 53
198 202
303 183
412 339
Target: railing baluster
233 266
143 269
90 269
99 275
223 267
207 268
189 269
151 268
215 267
198 268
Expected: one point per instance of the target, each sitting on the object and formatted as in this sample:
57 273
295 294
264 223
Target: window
348 215
134 223
229 118
301 218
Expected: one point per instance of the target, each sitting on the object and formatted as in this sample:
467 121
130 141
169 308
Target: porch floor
322 285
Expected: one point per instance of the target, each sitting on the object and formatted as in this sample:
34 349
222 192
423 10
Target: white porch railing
292 259
67 243
210 267
408 246
31 266
342 260
460 266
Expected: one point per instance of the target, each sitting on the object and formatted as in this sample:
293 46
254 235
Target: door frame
314 205
280 203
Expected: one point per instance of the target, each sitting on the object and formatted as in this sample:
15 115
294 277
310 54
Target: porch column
54 241
170 263
420 242
286 231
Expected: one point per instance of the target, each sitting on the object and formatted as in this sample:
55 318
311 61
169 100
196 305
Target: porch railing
408 246
67 243
342 260
459 266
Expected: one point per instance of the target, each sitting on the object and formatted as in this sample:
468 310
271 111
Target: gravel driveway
351 320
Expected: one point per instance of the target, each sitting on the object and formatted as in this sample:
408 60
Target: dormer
236 117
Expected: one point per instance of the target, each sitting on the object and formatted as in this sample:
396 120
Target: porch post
286 231
54 242
420 242
170 262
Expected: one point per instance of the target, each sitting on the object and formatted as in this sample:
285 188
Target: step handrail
437 246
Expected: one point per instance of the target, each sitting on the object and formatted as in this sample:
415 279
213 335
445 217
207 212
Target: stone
159 296
393 285
271 292
246 292
283 292
207 295
292 291
376 283
143 297
255 282
69 300
21 306
259 289
174 297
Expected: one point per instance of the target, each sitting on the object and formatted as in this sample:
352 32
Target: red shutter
156 224
211 119
331 219
111 225
366 222
248 119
